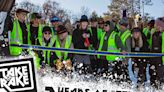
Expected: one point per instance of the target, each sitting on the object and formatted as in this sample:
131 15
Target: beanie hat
124 22
136 29
107 23
151 22
46 28
84 18
55 19
35 15
19 10
61 29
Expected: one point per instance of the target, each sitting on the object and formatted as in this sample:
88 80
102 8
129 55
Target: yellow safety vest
16 37
111 46
99 32
145 31
29 33
124 37
163 47
68 43
42 43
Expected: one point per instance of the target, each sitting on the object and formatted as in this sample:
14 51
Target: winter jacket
78 40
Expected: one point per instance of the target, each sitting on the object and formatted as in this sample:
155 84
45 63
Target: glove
68 64
59 65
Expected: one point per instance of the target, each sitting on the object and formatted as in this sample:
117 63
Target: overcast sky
100 6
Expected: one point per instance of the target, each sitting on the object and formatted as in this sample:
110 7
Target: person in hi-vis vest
149 31
157 63
44 56
34 28
96 32
101 23
125 36
55 22
62 40
110 42
18 33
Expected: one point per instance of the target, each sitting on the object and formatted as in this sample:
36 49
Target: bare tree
68 25
61 13
94 15
37 8
75 18
47 9
51 8
117 6
30 6
131 6
85 11
26 5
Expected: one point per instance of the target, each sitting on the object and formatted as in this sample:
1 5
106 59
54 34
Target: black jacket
156 48
78 40
34 34
144 48
157 42
94 38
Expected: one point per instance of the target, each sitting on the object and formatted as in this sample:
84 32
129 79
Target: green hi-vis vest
163 47
67 45
146 31
53 32
150 40
117 26
111 46
16 38
124 37
36 59
29 33
99 32
42 43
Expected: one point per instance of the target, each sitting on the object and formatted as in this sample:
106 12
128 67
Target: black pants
121 71
115 68
94 64
102 66
154 70
82 64
161 74
139 65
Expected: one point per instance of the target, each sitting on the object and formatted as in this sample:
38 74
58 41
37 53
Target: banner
17 75
89 52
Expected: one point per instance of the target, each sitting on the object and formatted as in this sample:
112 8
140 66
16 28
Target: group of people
90 34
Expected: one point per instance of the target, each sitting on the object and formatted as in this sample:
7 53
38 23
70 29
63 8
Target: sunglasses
106 25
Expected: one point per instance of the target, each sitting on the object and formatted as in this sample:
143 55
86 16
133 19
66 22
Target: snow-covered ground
78 82
88 83
73 82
